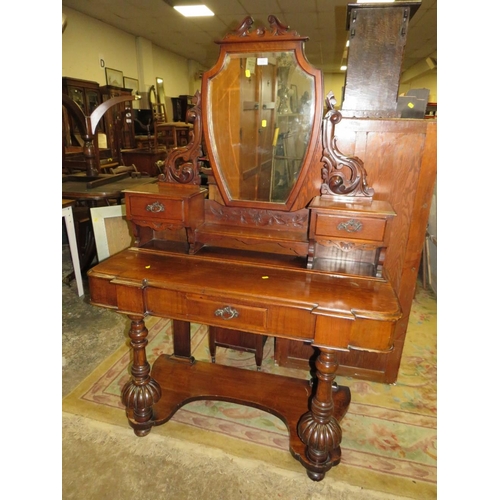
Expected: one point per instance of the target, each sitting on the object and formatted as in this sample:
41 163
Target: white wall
86 41
173 69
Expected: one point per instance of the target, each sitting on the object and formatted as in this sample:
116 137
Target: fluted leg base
318 429
142 391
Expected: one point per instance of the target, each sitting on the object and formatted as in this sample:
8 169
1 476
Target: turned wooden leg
260 340
142 391
318 429
211 342
182 340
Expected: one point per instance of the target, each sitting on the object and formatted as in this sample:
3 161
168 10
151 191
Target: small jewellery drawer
227 314
155 207
362 228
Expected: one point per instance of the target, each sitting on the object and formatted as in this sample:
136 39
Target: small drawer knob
155 207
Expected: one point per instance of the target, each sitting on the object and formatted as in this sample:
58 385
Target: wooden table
108 192
223 290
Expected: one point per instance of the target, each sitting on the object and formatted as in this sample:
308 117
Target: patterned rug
389 433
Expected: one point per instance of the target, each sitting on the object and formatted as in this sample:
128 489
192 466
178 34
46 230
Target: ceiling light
193 10
343 67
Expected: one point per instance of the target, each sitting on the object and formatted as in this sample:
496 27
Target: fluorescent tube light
193 10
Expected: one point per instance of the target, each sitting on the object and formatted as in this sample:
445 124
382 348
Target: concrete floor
89 334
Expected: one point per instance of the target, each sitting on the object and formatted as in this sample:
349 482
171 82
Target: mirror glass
261 114
160 91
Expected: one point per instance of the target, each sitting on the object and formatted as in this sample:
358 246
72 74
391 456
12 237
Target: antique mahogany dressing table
286 242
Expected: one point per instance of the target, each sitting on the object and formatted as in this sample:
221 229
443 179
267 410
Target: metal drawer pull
351 226
227 312
155 207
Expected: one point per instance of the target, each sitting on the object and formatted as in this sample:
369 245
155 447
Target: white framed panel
112 231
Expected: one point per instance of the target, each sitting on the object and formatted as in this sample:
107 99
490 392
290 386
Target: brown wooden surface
400 159
112 190
283 397
144 159
377 38
270 299
67 203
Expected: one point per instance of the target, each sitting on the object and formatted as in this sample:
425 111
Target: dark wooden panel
377 38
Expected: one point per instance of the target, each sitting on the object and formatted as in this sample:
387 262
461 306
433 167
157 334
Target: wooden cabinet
118 122
115 130
87 95
161 207
84 92
400 160
349 238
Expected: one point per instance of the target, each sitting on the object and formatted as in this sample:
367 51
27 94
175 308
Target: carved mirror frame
277 38
339 176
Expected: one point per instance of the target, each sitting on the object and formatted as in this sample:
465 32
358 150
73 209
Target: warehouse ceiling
323 21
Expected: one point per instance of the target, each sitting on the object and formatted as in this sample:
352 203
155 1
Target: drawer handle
227 312
155 207
351 226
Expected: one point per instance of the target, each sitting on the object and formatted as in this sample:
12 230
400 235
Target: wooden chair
162 128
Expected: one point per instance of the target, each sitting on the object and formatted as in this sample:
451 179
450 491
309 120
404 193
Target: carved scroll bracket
181 165
342 176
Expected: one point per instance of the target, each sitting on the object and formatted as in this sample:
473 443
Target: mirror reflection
261 114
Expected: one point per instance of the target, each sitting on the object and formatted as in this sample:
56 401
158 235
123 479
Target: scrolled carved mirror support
182 164
342 176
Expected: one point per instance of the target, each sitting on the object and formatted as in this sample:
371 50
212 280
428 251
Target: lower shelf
287 398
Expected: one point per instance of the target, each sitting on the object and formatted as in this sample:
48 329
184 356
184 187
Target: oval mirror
260 117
